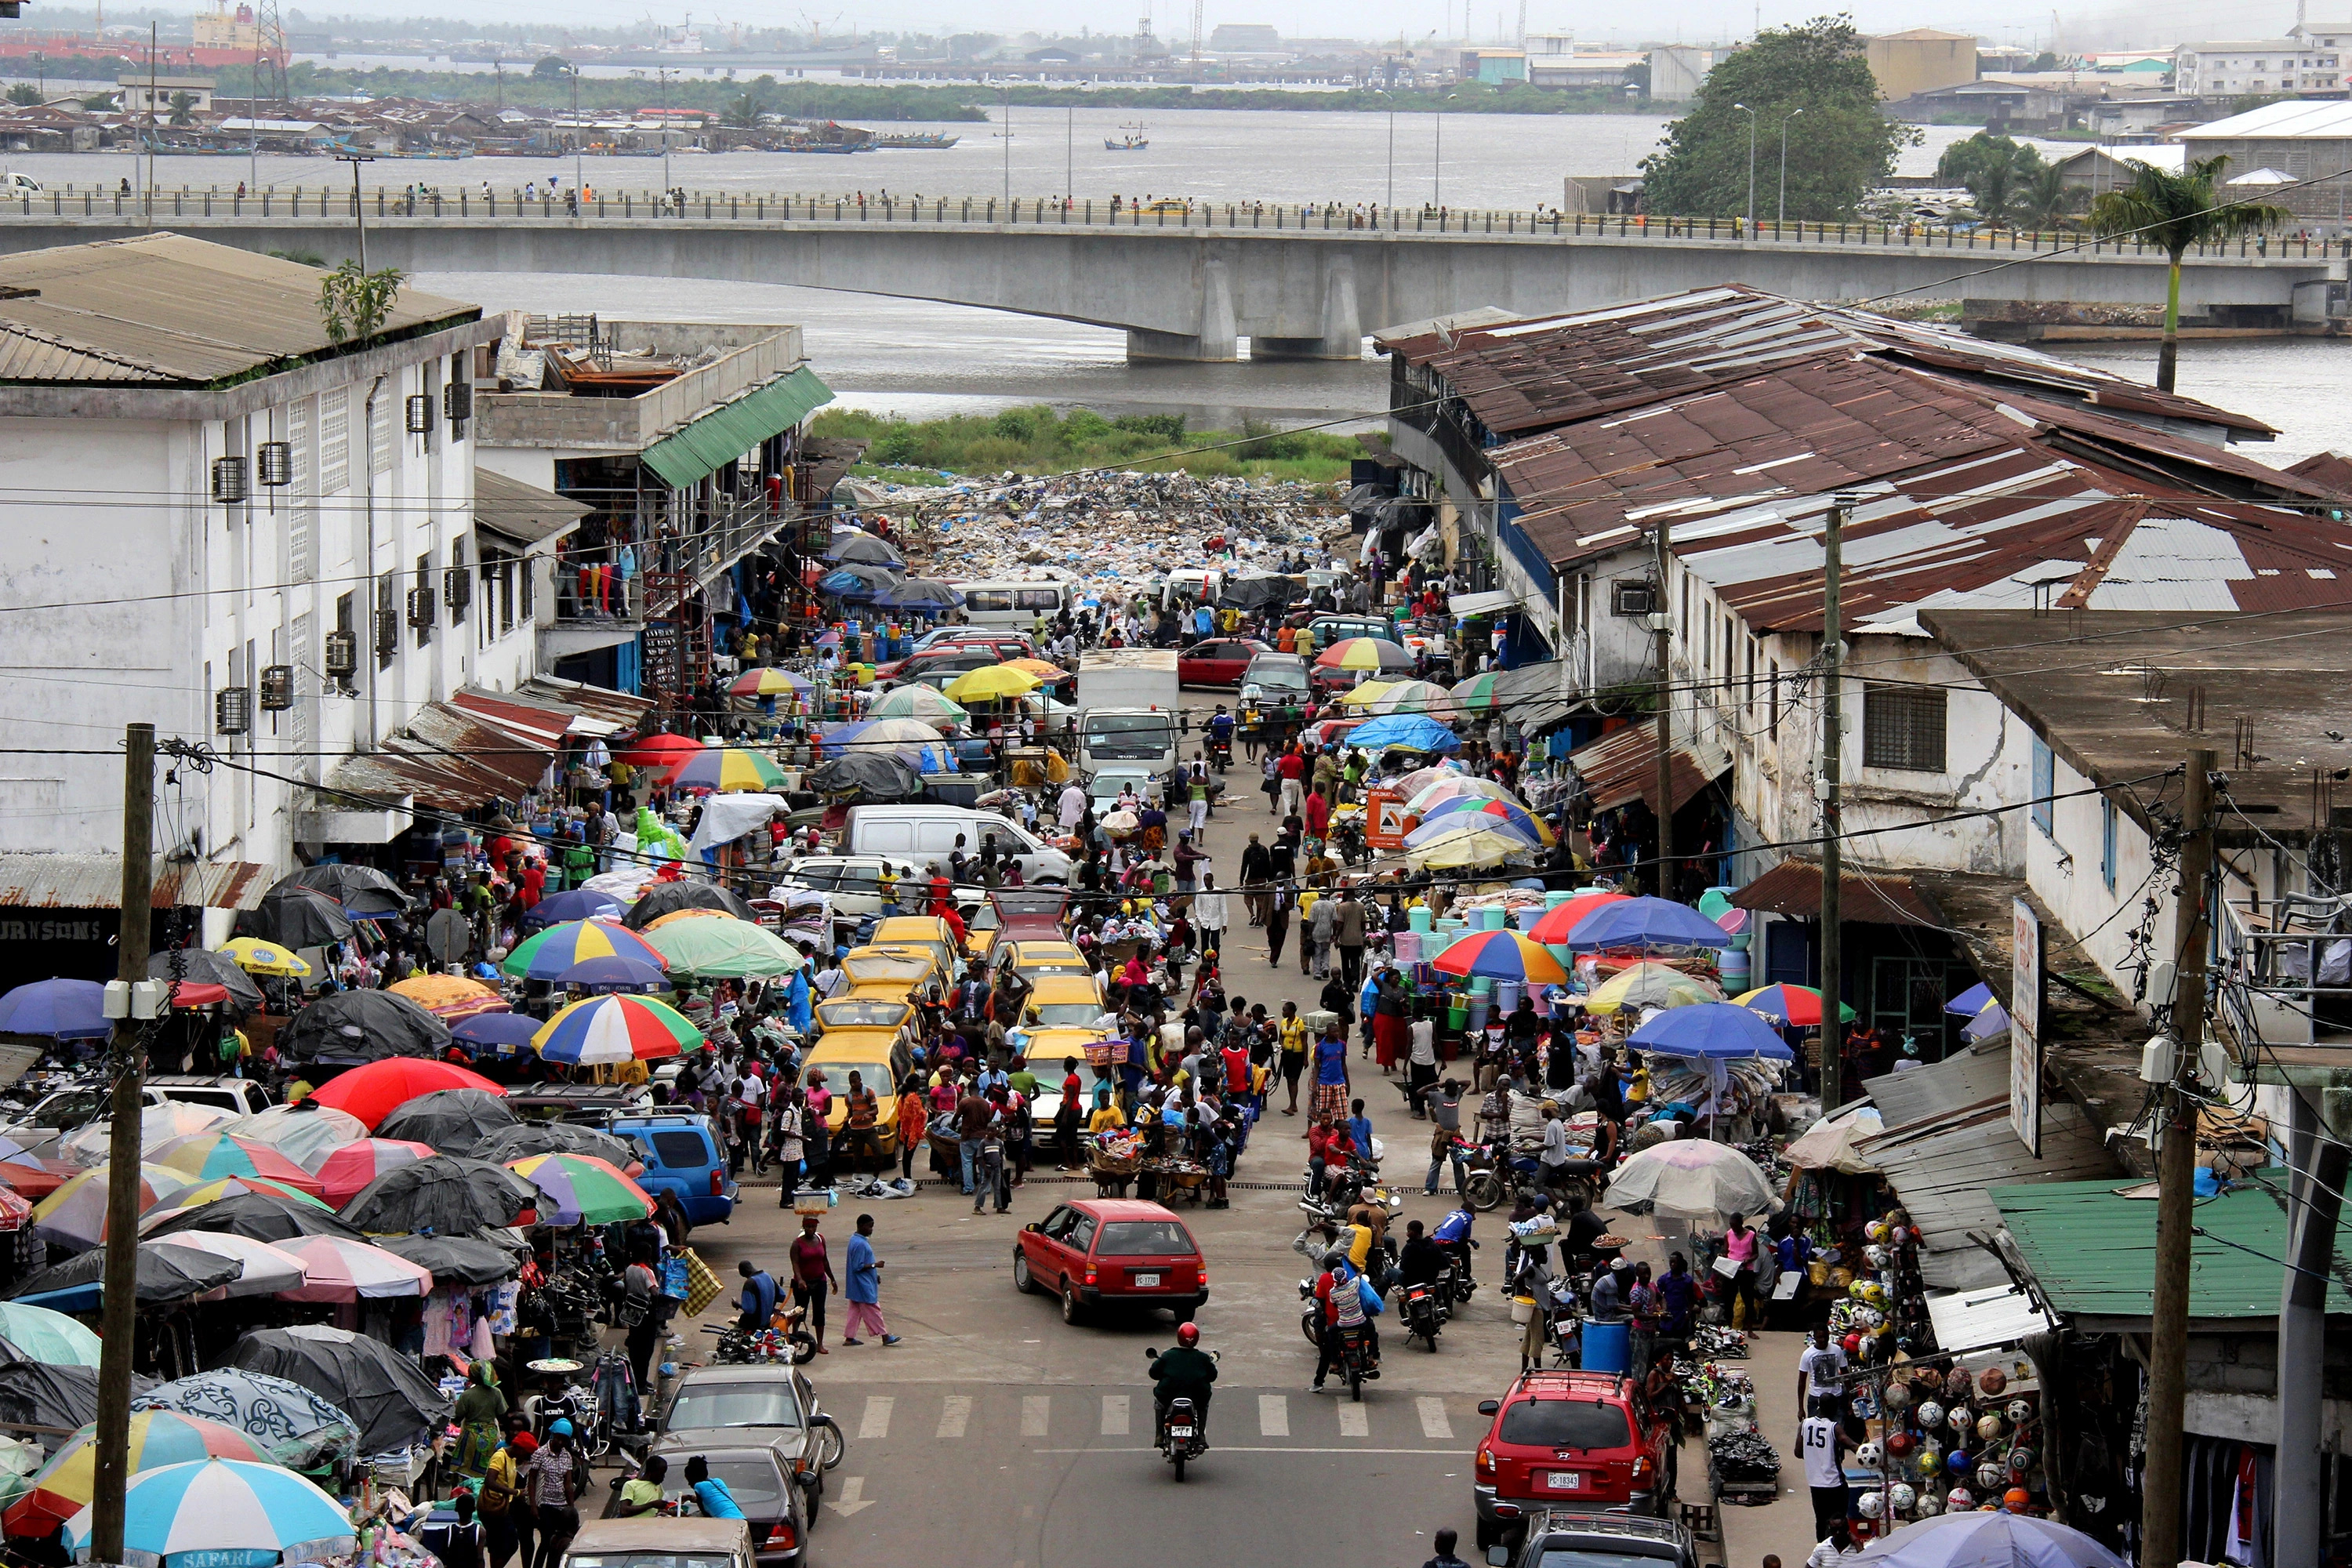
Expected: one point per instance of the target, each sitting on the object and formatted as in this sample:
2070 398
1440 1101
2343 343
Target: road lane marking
1273 1416
1037 1410
954 1415
1114 1415
1434 1423
1256 1449
1354 1421
851 1498
876 1423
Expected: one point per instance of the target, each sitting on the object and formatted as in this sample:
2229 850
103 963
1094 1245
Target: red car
990 648
1216 661
1586 1440
1099 1252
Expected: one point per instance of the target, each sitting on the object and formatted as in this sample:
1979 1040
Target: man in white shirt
1073 805
1821 1370
1820 1443
1212 914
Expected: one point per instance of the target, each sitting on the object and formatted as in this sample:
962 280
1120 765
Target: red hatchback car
1586 1440
1100 1252
1217 662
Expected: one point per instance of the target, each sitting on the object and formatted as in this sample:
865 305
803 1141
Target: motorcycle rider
1339 1292
1365 1251
1184 1373
1221 735
1452 1238
1422 1260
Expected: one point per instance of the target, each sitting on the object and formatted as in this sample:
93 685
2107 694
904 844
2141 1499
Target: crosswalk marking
1114 1415
954 1415
1354 1421
1273 1416
876 1422
1434 1423
1037 1410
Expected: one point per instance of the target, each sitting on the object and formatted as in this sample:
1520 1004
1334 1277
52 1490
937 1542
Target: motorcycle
1357 1358
1425 1309
1183 1430
1483 1186
1220 750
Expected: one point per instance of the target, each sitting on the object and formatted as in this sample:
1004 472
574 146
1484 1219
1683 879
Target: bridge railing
1020 211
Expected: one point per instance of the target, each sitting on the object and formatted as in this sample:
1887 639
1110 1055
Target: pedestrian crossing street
1066 1419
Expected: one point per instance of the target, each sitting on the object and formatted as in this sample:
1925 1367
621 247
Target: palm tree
2046 198
184 109
745 111
2173 212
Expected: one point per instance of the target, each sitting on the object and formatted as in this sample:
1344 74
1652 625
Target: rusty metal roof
1794 888
1622 767
522 513
95 882
167 308
1537 373
446 759
616 708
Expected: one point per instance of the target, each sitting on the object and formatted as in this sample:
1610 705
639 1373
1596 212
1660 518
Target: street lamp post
1750 218
359 213
1783 216
579 184
1390 203
665 107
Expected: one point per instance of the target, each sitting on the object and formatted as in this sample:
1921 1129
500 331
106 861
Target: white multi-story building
2236 69
223 523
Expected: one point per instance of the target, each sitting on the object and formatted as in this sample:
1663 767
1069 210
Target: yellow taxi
855 1034
1062 1018
1037 960
892 973
929 932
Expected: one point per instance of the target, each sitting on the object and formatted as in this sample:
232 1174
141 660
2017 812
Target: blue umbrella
616 972
223 1513
61 1010
572 904
857 582
1971 1001
1718 1031
1404 733
1653 924
296 1427
1993 1021
500 1034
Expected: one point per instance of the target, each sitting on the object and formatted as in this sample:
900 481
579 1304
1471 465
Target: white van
15 184
926 834
1011 603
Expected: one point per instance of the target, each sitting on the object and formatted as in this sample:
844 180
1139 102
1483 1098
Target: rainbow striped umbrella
1364 653
926 703
1562 918
1478 694
728 768
449 996
615 1029
1503 955
582 1189
1414 696
1368 693
65 1485
770 681
76 1213
225 1513
221 1187
1795 1004
210 1155
1508 812
547 955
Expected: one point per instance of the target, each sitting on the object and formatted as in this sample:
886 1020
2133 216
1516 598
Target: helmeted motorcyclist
1221 725
1184 1373
1452 1238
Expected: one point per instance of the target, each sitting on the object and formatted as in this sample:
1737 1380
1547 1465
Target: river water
924 360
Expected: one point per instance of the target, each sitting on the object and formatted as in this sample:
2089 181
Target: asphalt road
996 1435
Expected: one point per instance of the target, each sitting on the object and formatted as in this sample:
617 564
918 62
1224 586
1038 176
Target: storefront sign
1384 819
2025 1025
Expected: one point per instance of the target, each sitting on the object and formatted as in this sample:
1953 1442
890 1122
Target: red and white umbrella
341 1270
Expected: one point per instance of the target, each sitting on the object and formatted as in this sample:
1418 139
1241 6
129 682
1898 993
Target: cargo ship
222 37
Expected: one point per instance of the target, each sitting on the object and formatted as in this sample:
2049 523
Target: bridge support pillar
1218 339
1343 335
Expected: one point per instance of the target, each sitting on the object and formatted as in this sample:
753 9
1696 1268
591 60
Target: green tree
352 304
2173 212
184 109
99 102
551 68
25 92
1997 171
744 113
1839 148
2047 201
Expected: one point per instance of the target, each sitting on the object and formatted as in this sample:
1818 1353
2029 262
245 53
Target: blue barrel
1419 917
1607 1347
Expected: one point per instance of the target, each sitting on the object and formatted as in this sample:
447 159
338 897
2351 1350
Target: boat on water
1131 138
842 147
923 139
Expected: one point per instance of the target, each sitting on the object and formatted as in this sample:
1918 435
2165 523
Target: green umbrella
36 1333
723 948
926 703
1477 694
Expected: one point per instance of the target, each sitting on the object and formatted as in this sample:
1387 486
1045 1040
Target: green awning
711 441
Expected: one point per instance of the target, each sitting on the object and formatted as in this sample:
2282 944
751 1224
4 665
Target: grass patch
1036 440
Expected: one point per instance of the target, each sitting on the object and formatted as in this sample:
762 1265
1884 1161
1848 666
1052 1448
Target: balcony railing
716 535
2284 968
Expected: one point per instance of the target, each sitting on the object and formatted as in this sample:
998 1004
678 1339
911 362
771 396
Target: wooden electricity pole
1833 1036
1662 638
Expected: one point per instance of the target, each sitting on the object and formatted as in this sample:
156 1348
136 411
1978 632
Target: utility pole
1832 1035
1783 220
2317 1162
2176 1176
121 1267
359 213
1749 219
1661 644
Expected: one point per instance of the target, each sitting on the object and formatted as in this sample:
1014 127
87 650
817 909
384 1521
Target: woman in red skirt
1390 1031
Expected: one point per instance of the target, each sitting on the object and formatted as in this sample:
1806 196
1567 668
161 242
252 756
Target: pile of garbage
1121 527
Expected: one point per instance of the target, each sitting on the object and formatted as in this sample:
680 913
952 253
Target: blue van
681 1157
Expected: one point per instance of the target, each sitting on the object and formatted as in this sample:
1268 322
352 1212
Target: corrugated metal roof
446 759
1794 888
172 308
711 440
617 707
95 882
2092 1248
1622 767
2295 119
1970 1077
523 513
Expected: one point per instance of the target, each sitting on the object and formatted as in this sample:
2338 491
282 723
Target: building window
335 443
528 571
424 613
2046 785
2107 843
380 428
1772 699
387 619
1903 727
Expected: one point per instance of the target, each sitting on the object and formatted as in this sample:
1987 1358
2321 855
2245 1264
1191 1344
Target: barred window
1903 727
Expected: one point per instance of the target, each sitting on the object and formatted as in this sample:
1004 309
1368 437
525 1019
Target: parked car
1106 1252
63 1109
1588 1438
929 932
1217 662
239 1095
1324 630
1278 676
971 650
651 1540
1558 1539
743 1412
681 1157
853 881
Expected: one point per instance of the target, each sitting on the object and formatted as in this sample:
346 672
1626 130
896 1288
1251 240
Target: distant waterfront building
1244 38
1920 60
1494 66
2236 69
1676 71
141 95
2304 140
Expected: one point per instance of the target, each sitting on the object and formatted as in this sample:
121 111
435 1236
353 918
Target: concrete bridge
1186 285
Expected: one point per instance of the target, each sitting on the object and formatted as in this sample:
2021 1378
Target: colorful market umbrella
1795 1004
1451 786
449 996
572 904
1971 1001
927 704
558 948
1651 924
1363 696
1478 694
341 1270
203 1194
767 681
1564 917
724 950
1365 654
60 1009
1467 842
661 750
210 1155
296 1426
158 1125
728 768
374 1091
223 1513
304 1132
1502 955
65 1485
582 1190
992 682
255 956
343 1172
1713 1031
36 1333
1507 812
1649 985
1048 673
616 1029
614 973
1404 733
1414 696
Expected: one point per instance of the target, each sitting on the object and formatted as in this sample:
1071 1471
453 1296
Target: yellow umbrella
677 915
447 997
1649 985
1472 845
255 956
1038 667
1369 692
990 681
